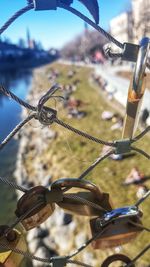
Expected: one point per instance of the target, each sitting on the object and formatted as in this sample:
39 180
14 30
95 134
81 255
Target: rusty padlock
87 191
115 258
46 207
115 228
15 240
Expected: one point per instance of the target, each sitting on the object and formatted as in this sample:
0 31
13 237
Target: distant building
132 26
121 27
31 44
141 19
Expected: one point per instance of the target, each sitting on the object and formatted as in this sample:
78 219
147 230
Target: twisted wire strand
139 256
120 45
88 242
110 54
140 201
83 134
91 23
25 254
13 185
91 167
63 124
15 16
140 151
84 201
140 226
78 263
94 164
16 130
56 120
143 133
8 93
48 261
22 217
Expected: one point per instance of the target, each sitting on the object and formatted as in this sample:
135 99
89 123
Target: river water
10 115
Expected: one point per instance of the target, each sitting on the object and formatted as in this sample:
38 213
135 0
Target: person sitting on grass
134 177
141 191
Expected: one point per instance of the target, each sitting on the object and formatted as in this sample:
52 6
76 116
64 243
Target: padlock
91 193
115 228
15 240
40 214
115 258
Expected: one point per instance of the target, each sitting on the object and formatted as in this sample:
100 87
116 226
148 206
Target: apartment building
132 26
141 19
121 27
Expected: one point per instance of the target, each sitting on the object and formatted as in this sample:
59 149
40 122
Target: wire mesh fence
36 204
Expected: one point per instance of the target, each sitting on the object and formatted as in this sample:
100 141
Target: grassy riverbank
68 155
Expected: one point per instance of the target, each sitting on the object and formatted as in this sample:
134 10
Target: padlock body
38 218
30 200
117 233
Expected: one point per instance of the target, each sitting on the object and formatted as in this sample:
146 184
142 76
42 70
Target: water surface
10 115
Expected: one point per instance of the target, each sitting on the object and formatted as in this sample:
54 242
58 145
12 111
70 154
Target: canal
10 115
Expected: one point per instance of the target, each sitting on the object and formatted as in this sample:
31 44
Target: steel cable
84 201
13 185
143 133
22 103
140 226
16 130
140 201
140 151
94 164
22 217
83 134
91 23
76 131
16 16
138 256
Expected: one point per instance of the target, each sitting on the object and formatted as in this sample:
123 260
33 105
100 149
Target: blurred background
42 48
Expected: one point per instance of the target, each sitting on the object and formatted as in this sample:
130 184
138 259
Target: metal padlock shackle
141 65
88 202
75 182
136 90
116 257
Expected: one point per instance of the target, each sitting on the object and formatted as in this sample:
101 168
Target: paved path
118 85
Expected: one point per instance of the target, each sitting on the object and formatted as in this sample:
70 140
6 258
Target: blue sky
55 28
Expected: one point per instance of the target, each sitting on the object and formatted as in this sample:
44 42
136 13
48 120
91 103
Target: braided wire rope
16 16
55 119
113 55
139 256
91 23
84 201
42 115
86 172
13 185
